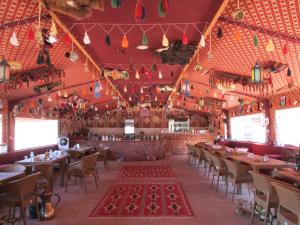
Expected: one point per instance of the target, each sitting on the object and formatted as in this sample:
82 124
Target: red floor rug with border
146 172
143 200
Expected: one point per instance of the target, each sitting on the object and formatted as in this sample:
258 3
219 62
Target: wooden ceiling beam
206 33
80 47
12 24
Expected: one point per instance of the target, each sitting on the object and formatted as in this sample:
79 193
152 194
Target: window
1 130
249 128
30 133
287 126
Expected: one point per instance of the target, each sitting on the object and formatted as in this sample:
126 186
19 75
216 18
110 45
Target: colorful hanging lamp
255 41
270 46
129 98
185 39
97 90
4 71
14 40
137 75
125 43
256 73
285 49
238 14
165 41
86 39
238 35
160 75
144 43
30 34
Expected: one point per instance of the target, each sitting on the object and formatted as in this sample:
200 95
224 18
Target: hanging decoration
116 3
198 66
238 14
256 73
238 35
202 41
53 29
209 53
165 41
142 90
137 75
125 43
125 88
144 43
163 7
220 33
66 94
129 99
86 39
185 39
140 11
270 46
67 39
289 72
160 76
30 34
97 89
255 41
14 40
86 66
107 40
285 50
187 88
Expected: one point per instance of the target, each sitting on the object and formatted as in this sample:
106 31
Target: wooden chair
74 155
265 194
219 169
198 156
190 154
103 156
237 174
83 168
45 180
20 193
289 204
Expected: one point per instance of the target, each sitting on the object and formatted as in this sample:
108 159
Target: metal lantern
256 73
4 71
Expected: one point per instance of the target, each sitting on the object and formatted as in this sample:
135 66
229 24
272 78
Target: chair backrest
89 161
74 154
262 183
289 197
236 168
218 162
207 155
13 168
190 147
23 186
46 171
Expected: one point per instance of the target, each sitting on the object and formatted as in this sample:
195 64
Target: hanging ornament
160 76
125 88
137 75
220 33
66 94
154 68
165 41
185 39
187 88
14 40
255 41
285 49
256 73
86 39
198 66
125 43
202 41
116 3
53 29
106 105
50 98
139 12
30 34
289 72
238 14
163 7
238 36
144 44
142 90
155 98
270 46
97 90
67 39
107 40
129 98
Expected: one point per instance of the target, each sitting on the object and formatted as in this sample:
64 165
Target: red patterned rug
145 172
143 200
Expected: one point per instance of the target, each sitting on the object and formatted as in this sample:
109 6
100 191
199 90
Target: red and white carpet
143 200
146 172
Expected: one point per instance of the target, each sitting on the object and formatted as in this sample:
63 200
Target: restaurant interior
141 112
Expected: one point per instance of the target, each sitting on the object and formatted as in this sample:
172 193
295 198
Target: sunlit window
249 128
31 133
287 126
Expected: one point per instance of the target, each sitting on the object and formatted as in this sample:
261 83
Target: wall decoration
46 87
282 102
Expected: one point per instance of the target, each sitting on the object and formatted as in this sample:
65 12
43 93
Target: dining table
289 174
257 162
84 150
6 177
60 158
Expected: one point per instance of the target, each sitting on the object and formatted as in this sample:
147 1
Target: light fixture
4 71
86 39
256 73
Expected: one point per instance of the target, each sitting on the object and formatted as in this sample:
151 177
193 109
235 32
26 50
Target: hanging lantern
238 36
125 88
97 89
255 41
256 73
107 40
129 98
86 39
4 71
14 40
53 29
285 50
270 46
185 39
165 41
125 43
106 105
142 90
31 34
201 102
66 94
160 76
238 14
137 75
220 33
289 72
144 44
202 41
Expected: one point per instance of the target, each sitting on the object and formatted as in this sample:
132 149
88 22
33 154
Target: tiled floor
210 207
